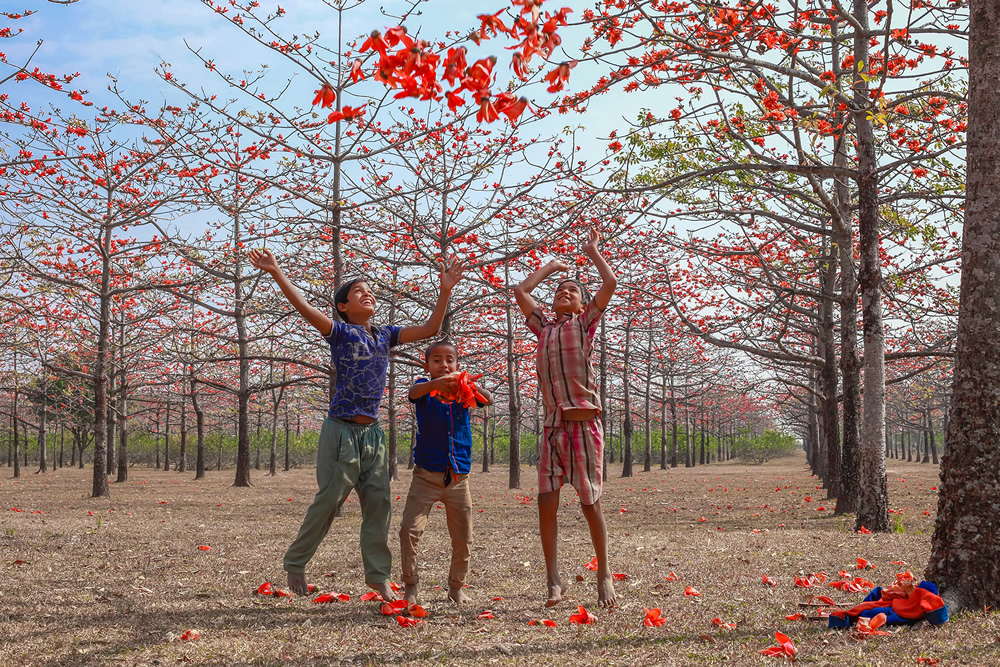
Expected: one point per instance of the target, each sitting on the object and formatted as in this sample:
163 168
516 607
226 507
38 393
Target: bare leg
599 536
457 595
548 529
297 583
410 593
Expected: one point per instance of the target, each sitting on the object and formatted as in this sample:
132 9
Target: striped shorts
573 453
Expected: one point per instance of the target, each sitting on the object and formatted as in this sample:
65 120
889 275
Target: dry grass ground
117 581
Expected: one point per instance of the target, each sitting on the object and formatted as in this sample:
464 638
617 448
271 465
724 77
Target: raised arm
265 261
608 277
451 273
522 293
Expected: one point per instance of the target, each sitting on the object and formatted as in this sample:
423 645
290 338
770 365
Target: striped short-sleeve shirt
565 369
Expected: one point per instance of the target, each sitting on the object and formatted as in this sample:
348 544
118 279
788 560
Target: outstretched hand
451 273
593 237
559 266
263 260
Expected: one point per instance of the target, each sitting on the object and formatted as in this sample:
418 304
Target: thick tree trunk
182 458
199 419
242 478
13 419
965 549
288 434
663 425
166 439
42 455
873 505
513 405
829 414
122 473
486 433
272 464
112 412
100 377
627 401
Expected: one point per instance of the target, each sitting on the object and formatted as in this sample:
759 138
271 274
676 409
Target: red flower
375 41
786 648
347 113
653 618
326 96
356 72
582 617
558 77
407 622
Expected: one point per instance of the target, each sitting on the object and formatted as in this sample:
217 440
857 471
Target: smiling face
440 360
360 304
568 298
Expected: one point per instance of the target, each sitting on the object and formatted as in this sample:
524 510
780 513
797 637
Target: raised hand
451 273
590 247
558 266
263 260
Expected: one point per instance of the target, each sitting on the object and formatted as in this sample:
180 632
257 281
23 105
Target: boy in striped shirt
572 448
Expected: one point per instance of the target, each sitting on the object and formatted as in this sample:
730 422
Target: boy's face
568 298
441 361
360 304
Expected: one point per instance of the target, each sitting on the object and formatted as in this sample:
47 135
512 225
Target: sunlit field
120 580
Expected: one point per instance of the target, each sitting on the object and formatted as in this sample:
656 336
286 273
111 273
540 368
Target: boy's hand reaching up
558 266
263 260
590 247
451 273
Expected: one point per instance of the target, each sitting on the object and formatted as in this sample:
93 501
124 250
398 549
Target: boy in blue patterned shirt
442 457
351 451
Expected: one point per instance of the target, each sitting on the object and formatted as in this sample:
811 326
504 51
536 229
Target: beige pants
426 489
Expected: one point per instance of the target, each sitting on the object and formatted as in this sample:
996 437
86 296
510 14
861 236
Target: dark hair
444 342
584 292
341 295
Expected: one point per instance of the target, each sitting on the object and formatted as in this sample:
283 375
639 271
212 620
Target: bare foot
555 592
606 592
384 590
457 595
297 583
410 593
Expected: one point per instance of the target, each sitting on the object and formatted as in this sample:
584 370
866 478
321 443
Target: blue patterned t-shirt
361 362
444 435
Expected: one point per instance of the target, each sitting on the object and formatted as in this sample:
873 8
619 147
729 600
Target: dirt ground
119 580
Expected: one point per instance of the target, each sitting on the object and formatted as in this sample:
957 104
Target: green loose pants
349 456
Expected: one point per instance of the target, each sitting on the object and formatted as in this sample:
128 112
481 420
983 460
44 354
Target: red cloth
913 607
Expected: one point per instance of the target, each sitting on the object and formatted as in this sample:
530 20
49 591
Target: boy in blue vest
442 456
351 452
